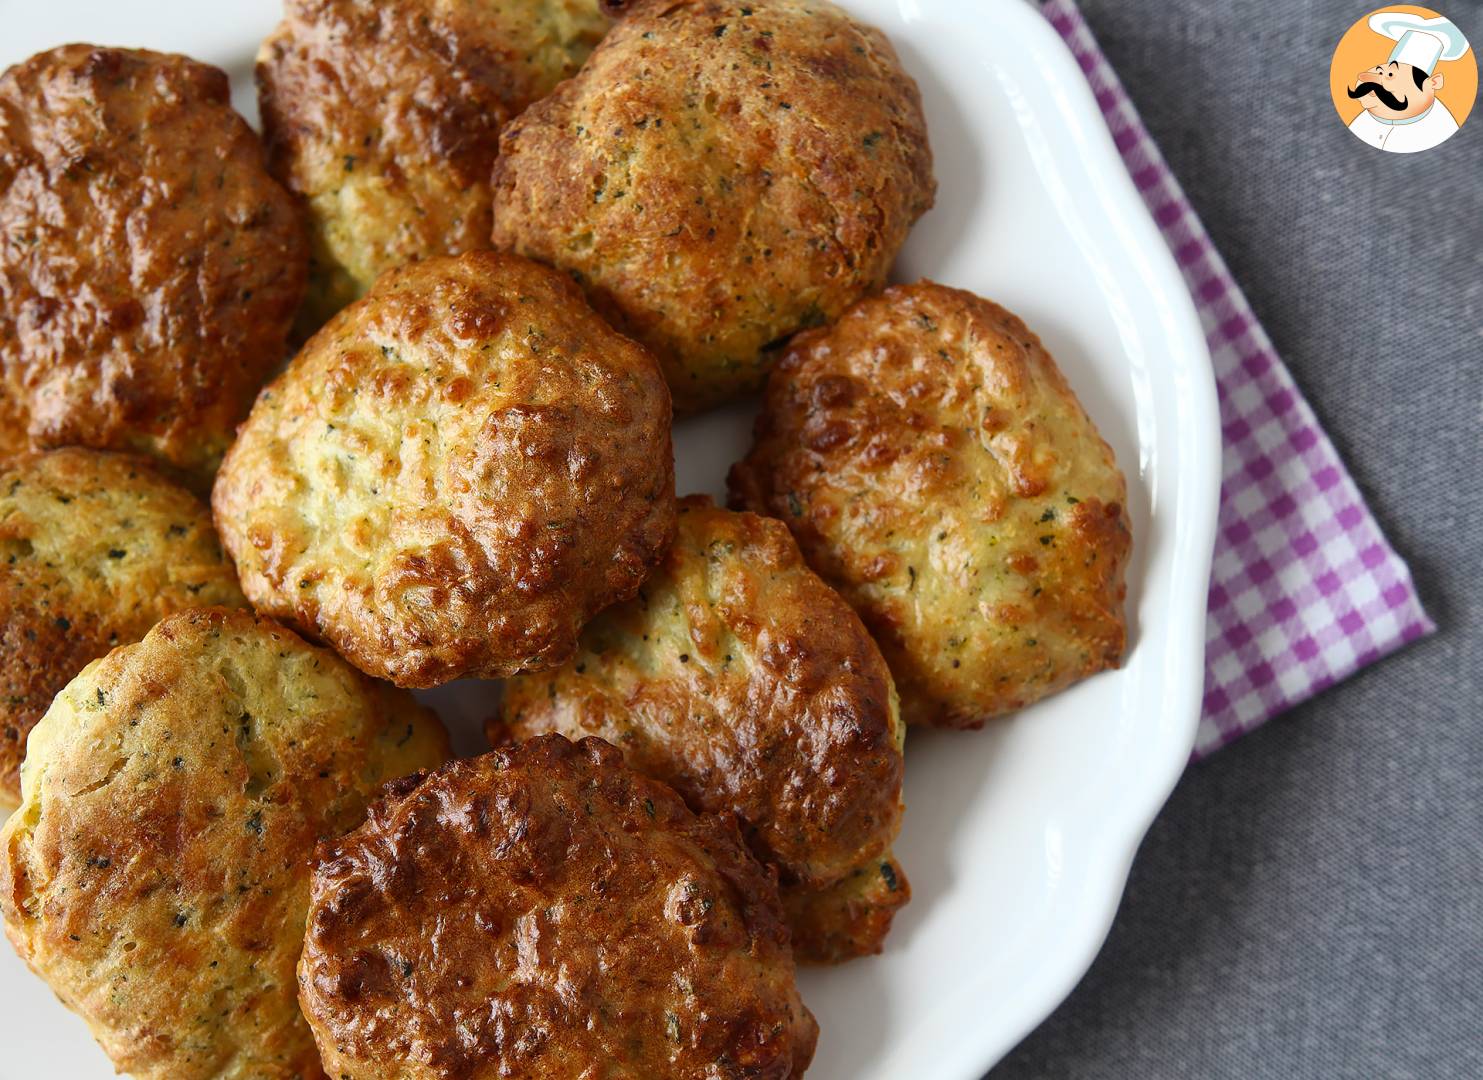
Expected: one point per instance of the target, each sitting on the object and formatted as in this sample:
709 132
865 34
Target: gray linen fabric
1310 902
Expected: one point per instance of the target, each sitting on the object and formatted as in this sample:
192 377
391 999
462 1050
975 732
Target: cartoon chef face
1396 90
1402 112
1404 86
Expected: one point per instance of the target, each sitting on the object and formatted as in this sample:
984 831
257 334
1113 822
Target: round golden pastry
454 475
718 175
151 266
540 909
938 470
95 548
744 682
385 117
157 871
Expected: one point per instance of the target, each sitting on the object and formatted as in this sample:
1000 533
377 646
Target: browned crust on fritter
385 117
717 176
95 548
157 871
150 266
454 475
849 918
743 681
938 470
541 911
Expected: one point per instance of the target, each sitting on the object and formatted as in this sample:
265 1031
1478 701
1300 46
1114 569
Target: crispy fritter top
95 548
720 174
746 683
542 909
454 474
938 470
386 116
150 266
157 871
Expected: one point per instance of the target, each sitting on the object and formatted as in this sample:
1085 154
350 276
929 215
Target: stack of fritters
467 470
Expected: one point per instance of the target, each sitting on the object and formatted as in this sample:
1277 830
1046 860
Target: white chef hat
1420 42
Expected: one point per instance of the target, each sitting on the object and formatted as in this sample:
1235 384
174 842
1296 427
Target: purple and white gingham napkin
1305 589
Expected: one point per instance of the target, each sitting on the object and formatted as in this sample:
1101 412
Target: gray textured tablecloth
1310 902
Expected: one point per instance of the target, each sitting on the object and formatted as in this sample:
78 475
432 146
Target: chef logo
1404 79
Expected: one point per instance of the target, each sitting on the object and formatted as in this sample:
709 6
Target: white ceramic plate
1017 839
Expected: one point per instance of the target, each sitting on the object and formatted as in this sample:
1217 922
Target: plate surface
1017 839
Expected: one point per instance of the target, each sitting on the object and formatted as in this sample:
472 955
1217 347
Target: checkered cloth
1305 588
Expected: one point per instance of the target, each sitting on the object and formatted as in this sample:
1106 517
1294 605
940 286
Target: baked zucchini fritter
938 470
454 475
718 175
743 681
385 116
150 267
849 918
157 871
95 548
542 911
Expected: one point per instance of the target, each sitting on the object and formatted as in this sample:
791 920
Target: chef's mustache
1389 100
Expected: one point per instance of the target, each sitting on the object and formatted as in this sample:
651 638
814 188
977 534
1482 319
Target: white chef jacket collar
1406 119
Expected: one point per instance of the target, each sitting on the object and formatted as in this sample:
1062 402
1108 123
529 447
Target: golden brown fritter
95 548
386 115
849 918
938 470
544 912
157 872
454 475
743 681
150 266
719 175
